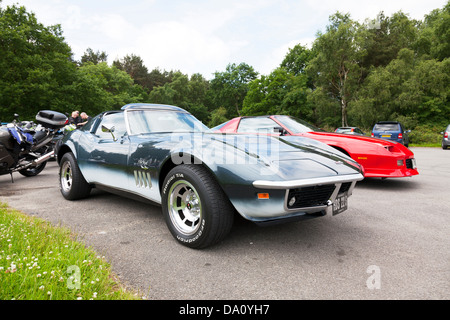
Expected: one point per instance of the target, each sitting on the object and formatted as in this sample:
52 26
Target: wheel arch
187 158
341 150
62 151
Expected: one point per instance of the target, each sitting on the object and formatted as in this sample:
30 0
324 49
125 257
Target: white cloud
174 45
204 36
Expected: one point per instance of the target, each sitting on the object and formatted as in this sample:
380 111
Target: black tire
72 184
196 210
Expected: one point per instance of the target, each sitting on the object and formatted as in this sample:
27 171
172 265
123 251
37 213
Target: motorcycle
26 148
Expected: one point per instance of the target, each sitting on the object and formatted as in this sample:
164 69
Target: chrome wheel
185 208
66 176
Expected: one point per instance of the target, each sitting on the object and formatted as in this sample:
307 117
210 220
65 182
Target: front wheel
196 210
73 186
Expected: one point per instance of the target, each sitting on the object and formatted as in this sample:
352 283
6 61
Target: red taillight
372 135
446 135
400 135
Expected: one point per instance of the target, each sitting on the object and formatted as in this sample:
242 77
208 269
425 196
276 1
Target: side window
253 125
115 120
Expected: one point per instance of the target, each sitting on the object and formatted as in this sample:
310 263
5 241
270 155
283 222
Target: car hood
360 143
288 157
343 136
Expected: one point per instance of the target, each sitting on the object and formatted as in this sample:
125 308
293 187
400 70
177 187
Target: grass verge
41 262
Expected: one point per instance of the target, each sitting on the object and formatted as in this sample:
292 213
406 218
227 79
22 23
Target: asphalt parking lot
392 242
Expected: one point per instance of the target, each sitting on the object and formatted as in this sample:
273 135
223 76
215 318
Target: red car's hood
332 135
342 138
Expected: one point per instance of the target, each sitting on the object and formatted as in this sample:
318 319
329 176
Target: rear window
386 127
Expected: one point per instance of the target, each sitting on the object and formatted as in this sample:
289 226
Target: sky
204 36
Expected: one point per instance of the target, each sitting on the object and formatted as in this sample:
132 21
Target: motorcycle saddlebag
51 119
6 139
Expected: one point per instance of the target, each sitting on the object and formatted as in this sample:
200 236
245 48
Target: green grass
426 145
41 262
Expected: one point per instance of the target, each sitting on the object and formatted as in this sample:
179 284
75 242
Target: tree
297 59
134 66
218 116
189 94
228 89
434 34
158 78
408 88
94 57
36 70
336 67
278 93
386 36
98 88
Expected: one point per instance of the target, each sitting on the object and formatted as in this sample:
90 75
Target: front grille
310 196
345 187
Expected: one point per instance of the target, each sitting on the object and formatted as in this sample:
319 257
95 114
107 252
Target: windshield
151 121
296 125
386 127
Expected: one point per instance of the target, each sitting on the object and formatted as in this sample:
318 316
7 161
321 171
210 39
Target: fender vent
142 179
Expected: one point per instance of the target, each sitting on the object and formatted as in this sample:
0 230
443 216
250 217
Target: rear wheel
196 210
31 172
73 186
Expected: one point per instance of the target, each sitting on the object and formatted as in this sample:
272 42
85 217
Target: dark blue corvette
164 154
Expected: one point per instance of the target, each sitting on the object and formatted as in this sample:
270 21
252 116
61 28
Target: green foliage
94 57
35 69
229 88
218 116
407 86
426 134
278 93
99 87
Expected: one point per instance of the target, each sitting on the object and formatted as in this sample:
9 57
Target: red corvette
380 158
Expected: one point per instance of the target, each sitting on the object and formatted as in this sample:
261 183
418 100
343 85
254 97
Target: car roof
152 106
388 122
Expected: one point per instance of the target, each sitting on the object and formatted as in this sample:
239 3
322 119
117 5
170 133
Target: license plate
386 135
340 204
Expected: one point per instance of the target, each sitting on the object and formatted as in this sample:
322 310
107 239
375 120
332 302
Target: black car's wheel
195 208
73 186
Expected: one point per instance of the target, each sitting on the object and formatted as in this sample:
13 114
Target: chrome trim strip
264 184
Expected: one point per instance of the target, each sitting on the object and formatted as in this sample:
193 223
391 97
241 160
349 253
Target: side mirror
110 130
279 130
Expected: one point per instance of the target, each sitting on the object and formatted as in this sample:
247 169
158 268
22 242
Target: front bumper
321 193
392 167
